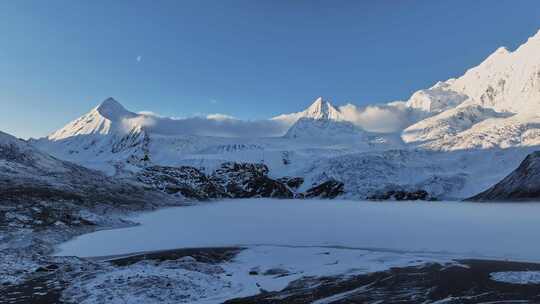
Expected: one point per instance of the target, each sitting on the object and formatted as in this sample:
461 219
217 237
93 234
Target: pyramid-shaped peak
110 103
318 102
112 109
321 109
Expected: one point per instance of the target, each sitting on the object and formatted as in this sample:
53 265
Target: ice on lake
508 231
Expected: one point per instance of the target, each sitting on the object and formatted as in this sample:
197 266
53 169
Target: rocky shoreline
31 229
465 281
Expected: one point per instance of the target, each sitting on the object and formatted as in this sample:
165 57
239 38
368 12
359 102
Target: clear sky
249 59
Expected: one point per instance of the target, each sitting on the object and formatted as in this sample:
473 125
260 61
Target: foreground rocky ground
54 283
469 282
196 275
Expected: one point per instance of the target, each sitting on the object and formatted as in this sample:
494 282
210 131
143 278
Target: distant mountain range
452 140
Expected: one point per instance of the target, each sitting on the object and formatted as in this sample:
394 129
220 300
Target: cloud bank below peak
220 125
384 118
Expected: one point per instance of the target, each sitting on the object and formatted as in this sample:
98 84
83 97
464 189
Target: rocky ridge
232 180
523 184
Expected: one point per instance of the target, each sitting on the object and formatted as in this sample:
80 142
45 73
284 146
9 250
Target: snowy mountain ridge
496 106
321 120
436 99
318 110
323 128
449 130
506 81
104 119
30 175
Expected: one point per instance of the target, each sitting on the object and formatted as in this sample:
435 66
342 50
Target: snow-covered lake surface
508 231
517 277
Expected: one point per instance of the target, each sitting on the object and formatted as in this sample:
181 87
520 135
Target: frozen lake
507 231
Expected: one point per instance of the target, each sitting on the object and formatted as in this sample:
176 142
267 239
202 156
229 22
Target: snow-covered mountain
436 99
308 128
448 133
28 175
320 109
113 139
107 134
523 184
321 120
496 104
448 124
107 118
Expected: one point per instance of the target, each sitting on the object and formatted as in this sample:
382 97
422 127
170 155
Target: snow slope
104 119
28 175
322 120
521 185
17 155
506 81
448 124
436 99
496 104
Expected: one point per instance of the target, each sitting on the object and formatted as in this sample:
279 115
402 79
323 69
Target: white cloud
218 116
379 118
139 58
149 113
386 118
212 125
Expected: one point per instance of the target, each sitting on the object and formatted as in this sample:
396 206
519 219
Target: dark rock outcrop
523 184
232 180
401 195
187 181
263 187
329 189
292 182
245 180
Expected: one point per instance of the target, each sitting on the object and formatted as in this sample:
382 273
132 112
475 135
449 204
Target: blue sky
248 59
